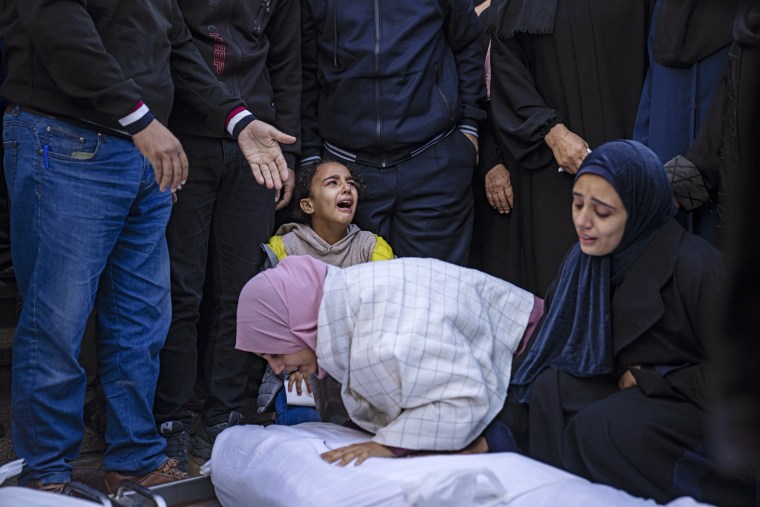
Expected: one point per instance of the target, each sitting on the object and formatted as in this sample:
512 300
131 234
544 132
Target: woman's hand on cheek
295 378
358 452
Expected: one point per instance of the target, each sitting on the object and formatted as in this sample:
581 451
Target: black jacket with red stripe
98 60
254 47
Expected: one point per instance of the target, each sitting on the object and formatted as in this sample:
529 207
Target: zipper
378 126
264 11
440 92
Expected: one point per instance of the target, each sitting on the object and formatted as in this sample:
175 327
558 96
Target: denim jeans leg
66 185
243 219
134 312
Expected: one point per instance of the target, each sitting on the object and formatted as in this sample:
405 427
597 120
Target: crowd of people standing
151 153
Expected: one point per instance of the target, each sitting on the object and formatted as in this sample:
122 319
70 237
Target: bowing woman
422 348
617 379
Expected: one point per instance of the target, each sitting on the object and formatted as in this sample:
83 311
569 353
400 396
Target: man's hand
499 189
568 148
359 452
283 196
165 154
259 143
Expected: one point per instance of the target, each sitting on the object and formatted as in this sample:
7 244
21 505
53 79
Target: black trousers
221 216
653 447
422 207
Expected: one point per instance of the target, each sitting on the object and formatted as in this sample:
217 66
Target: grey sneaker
206 435
177 443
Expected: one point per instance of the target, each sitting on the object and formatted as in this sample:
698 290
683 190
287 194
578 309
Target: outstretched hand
359 452
259 143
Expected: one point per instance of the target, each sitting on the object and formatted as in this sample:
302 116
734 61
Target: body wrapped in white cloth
279 466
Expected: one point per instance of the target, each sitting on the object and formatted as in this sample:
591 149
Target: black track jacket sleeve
76 57
194 81
284 64
463 37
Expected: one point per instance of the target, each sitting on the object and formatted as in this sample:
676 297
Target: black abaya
588 75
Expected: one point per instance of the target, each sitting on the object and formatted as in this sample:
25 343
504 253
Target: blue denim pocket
69 143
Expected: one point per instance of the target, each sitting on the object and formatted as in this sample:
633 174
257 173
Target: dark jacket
253 47
383 78
664 315
96 60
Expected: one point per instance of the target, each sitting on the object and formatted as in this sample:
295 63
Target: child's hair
303 188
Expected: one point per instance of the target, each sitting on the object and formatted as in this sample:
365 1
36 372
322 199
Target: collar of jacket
638 296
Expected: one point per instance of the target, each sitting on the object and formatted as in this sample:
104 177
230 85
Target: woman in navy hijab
617 380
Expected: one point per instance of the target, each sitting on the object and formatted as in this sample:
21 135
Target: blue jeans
87 228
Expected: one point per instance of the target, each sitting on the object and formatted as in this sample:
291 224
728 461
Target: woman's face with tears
598 214
304 361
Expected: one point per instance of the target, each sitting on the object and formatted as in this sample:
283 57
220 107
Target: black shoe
177 443
206 436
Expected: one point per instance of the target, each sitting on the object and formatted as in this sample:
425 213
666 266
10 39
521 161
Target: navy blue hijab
576 335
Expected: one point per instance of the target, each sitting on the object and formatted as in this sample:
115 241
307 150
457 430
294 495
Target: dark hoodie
383 78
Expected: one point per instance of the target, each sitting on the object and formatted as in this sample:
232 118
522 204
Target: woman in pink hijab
422 348
277 312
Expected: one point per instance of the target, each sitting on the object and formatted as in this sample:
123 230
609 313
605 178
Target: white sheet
17 496
280 466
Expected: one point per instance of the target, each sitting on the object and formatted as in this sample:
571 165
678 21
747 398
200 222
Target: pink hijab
278 308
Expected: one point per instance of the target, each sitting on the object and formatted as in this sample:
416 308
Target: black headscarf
508 17
688 31
746 28
576 335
